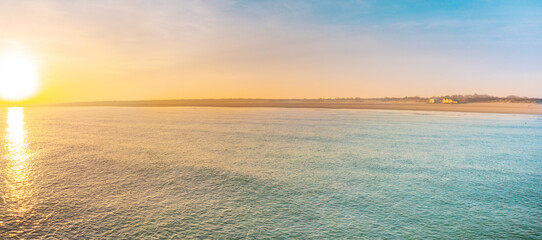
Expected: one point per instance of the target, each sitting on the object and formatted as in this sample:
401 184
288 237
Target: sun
19 78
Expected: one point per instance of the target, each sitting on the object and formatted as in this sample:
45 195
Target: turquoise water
222 173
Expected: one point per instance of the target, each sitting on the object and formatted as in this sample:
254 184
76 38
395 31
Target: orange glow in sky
136 50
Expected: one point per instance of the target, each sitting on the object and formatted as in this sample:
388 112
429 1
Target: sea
268 173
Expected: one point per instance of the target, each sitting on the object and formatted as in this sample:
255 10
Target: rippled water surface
144 173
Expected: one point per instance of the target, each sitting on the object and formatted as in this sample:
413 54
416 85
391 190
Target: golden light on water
18 195
19 78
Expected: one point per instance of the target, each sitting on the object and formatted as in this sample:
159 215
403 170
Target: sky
133 49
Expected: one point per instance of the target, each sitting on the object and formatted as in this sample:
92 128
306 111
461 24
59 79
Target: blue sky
280 49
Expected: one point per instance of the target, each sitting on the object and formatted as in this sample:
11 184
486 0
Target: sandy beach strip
517 108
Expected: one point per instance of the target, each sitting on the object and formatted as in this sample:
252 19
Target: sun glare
19 78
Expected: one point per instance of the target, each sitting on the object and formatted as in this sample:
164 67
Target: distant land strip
519 107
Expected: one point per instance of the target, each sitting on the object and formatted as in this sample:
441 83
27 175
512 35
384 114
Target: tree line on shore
470 98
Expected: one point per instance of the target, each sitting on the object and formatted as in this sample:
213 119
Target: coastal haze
275 49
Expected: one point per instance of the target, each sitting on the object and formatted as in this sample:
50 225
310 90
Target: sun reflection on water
18 193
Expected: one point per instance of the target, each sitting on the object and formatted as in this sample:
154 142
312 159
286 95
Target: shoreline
511 108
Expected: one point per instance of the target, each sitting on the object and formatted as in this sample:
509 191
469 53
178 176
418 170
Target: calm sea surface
174 173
